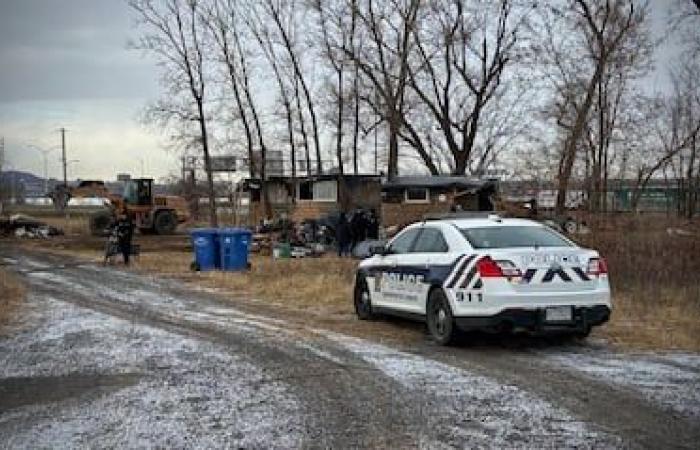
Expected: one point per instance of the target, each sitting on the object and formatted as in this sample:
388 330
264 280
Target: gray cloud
52 49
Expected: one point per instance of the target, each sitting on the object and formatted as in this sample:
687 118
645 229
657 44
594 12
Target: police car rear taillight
509 269
597 266
488 268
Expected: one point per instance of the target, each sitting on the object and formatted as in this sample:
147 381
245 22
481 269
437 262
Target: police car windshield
513 236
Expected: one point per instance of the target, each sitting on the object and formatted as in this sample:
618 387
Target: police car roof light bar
463 215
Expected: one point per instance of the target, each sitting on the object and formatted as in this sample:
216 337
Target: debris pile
22 226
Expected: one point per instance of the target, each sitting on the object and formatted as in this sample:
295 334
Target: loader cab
139 191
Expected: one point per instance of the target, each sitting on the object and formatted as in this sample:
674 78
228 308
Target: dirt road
109 358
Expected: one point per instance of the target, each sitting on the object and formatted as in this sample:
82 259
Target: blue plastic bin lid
204 231
233 231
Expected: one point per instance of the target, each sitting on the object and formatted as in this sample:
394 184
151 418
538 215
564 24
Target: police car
488 273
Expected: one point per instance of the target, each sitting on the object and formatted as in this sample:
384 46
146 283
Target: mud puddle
22 391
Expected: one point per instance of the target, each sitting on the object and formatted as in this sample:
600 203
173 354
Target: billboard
223 163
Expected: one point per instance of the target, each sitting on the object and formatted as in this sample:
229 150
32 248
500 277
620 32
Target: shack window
417 195
305 191
325 191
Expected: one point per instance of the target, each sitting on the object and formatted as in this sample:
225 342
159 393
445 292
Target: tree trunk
302 126
461 161
339 137
213 218
393 163
690 208
356 129
571 145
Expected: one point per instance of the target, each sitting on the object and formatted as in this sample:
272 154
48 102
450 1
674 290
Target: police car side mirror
381 250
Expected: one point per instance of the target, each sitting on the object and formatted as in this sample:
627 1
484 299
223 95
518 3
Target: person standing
372 225
125 233
358 228
343 237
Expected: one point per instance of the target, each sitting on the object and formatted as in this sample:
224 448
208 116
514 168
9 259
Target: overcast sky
64 63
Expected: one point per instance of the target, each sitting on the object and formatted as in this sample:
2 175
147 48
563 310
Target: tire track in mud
341 413
357 397
615 408
365 399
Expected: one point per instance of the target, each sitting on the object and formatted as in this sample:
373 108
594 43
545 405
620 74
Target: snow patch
670 380
192 394
474 408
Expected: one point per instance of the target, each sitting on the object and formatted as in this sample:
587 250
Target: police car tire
363 304
583 334
442 330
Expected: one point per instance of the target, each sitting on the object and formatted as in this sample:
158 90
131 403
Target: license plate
558 314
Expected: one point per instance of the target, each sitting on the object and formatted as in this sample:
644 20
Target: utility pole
63 157
2 161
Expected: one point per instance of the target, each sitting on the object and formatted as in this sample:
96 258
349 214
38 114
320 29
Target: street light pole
45 155
63 157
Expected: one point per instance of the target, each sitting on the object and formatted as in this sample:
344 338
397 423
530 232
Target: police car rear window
513 236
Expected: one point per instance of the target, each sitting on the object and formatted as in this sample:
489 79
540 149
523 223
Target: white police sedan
494 274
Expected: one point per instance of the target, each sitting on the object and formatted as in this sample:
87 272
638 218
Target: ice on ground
671 380
165 304
474 408
191 393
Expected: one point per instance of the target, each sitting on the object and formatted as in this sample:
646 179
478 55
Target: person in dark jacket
125 233
358 228
343 236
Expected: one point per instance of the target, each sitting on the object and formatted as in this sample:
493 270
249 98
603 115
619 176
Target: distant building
408 199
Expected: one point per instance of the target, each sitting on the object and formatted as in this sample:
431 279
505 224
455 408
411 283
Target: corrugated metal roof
437 181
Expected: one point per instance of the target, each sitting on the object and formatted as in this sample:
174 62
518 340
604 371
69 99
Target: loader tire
165 223
99 223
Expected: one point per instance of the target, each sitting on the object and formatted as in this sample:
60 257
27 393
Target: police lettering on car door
402 286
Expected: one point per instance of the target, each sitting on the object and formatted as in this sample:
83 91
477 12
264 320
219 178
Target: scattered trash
22 226
364 249
679 232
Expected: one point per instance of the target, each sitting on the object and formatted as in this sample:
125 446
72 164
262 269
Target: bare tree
336 38
600 28
282 14
225 25
687 98
173 34
669 140
462 55
383 58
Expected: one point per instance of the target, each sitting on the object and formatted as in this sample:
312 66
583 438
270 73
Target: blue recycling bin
234 246
205 242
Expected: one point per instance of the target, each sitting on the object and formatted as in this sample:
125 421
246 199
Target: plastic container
205 242
234 248
282 250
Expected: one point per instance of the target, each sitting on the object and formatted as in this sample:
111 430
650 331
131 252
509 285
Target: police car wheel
584 333
439 317
363 304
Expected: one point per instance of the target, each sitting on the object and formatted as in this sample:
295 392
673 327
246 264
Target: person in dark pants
343 236
125 233
372 225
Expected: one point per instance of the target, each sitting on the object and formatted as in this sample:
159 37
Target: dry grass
75 225
11 298
321 285
655 279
